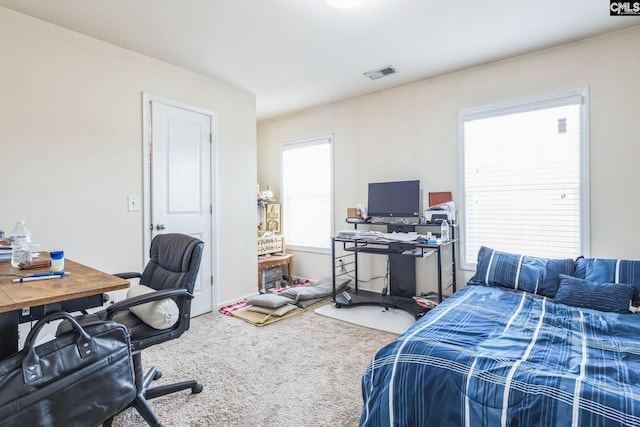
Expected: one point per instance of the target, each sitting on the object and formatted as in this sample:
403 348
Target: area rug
240 310
370 316
262 319
241 304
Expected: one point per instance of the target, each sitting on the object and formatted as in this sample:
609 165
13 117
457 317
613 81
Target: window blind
307 199
523 179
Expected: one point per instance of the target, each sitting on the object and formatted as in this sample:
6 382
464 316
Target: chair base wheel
157 375
197 389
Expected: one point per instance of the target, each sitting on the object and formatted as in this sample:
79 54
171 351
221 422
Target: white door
181 184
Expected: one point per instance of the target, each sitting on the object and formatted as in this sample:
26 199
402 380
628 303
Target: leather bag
81 378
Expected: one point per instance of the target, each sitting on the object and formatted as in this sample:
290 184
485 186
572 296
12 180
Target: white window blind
307 193
525 178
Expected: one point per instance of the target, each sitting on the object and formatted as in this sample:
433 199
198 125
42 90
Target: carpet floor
301 371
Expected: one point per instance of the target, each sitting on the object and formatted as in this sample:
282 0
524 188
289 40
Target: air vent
376 74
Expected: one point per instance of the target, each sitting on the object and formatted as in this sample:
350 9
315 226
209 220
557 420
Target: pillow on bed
524 273
577 292
610 271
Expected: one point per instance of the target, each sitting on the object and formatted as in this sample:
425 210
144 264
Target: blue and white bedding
494 356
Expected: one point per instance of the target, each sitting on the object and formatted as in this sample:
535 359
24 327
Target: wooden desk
82 288
266 262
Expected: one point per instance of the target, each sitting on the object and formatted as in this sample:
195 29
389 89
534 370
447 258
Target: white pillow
161 314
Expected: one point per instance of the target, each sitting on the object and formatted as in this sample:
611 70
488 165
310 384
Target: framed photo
273 217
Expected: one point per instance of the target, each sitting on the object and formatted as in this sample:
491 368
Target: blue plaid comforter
490 356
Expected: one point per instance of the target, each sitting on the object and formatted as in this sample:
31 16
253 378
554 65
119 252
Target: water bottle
444 231
20 245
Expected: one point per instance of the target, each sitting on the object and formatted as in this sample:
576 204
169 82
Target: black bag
81 378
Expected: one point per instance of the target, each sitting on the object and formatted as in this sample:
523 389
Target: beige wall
71 138
412 132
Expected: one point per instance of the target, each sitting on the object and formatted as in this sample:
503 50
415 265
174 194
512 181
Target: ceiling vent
376 74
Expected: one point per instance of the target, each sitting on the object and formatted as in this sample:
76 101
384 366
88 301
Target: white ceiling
298 54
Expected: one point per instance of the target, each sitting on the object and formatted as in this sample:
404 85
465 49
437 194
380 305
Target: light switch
133 201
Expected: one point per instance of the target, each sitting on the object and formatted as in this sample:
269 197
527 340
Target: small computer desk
28 301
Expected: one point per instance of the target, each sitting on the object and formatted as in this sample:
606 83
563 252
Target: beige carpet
301 371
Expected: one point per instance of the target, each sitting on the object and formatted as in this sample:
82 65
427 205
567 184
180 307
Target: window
525 178
307 193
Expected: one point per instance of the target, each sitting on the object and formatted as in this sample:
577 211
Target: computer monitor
394 199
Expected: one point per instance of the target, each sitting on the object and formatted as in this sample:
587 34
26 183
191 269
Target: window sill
309 249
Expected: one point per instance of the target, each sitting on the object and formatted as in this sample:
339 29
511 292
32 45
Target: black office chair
172 270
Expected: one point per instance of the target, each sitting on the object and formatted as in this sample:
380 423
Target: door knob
161 227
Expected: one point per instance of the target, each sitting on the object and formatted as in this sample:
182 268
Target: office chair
172 271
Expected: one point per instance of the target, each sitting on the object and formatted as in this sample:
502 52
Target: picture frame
273 217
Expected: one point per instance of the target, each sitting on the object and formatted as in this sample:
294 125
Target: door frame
147 98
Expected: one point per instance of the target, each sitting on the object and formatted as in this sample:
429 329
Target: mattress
492 356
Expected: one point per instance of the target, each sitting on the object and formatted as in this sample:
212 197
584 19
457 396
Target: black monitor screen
394 199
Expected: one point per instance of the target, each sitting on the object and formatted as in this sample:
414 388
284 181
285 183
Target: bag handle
31 369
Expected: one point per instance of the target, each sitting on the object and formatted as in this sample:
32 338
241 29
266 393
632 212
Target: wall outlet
341 266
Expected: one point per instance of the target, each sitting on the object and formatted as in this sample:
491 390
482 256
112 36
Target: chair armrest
180 294
127 276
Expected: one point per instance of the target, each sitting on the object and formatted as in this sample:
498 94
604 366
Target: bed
509 356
